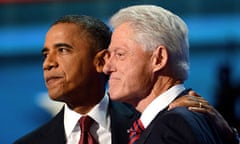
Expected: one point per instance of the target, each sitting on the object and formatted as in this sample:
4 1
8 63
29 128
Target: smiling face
68 62
129 67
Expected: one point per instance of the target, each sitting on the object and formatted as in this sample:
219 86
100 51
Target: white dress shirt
160 103
100 129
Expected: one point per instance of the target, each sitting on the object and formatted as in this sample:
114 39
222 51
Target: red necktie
85 124
135 131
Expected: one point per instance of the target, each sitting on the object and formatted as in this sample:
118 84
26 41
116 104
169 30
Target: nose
50 62
108 67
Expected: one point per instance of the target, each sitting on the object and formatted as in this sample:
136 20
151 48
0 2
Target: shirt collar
98 113
160 103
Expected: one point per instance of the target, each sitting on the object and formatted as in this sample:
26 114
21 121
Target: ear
159 58
99 60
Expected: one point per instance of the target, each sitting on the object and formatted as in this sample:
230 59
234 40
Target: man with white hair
148 64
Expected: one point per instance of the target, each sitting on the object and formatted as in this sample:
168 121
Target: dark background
214 45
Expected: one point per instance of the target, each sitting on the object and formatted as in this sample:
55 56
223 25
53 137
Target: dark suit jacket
180 126
122 116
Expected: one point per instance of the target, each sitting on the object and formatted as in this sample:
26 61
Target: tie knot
85 123
137 126
135 131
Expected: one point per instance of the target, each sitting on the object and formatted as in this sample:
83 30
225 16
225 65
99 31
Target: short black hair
99 33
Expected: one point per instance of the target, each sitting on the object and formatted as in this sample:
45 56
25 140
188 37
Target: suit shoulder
184 116
182 112
44 131
188 124
31 136
181 118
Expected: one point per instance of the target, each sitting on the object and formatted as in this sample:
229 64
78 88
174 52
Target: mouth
113 78
52 80
113 81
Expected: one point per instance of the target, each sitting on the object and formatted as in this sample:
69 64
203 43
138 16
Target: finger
193 93
209 112
188 101
185 101
181 101
197 101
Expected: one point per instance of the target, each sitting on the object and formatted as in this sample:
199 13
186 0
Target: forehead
66 33
64 30
124 37
123 30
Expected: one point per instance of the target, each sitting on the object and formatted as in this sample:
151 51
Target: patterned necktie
135 131
85 124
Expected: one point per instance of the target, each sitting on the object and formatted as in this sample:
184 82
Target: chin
119 98
55 96
114 96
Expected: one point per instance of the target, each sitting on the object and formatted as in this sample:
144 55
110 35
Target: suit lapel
148 130
122 118
56 132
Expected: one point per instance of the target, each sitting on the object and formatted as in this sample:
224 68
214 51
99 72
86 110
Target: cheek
138 78
132 83
130 80
73 71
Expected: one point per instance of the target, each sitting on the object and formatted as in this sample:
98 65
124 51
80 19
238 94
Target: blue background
214 39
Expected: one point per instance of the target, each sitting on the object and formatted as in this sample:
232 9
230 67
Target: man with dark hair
73 60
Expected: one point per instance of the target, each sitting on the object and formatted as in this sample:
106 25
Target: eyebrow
45 49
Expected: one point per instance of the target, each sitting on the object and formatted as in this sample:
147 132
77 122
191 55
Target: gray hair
155 26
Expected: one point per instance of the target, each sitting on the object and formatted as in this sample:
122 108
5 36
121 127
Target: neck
84 99
160 86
